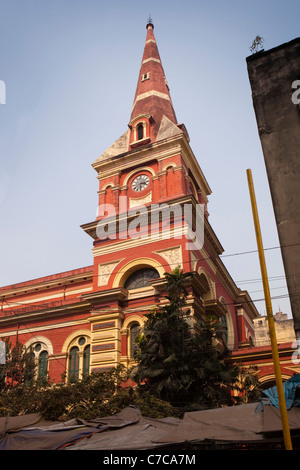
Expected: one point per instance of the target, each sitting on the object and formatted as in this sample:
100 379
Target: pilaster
105 340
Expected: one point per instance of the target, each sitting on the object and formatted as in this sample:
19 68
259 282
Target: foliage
153 407
19 367
258 42
248 386
181 366
95 395
21 399
98 395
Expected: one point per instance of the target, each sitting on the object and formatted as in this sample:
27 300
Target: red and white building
85 320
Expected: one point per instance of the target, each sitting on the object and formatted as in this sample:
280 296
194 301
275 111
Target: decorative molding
103 347
98 370
135 202
104 325
172 255
105 271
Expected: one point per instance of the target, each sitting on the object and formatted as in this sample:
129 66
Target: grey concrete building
275 83
284 328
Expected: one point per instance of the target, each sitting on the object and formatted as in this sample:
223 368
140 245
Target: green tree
19 367
179 364
248 386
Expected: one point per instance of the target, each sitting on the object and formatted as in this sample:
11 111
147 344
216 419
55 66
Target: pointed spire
152 93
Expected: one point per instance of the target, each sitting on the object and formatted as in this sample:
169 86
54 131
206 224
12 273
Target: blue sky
71 68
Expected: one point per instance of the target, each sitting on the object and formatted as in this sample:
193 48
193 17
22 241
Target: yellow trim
169 165
133 319
107 185
73 336
271 377
40 339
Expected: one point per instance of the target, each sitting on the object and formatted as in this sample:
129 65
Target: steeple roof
152 104
152 92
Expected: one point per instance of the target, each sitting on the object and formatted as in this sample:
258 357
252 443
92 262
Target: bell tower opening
140 131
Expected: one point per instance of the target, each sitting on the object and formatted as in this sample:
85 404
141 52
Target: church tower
152 203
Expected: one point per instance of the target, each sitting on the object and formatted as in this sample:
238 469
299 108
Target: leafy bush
98 395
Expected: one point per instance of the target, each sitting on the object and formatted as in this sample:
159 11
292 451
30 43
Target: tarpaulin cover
13 423
29 432
272 419
235 423
143 435
43 440
290 388
129 430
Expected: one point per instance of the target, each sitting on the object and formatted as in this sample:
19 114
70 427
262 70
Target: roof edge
263 53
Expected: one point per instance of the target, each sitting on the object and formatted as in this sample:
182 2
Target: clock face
140 182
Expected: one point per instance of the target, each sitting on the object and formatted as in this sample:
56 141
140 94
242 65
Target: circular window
141 278
81 341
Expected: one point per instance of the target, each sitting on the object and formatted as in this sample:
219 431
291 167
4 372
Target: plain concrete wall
271 76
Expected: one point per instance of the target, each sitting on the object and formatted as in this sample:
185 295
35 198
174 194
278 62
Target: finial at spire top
150 22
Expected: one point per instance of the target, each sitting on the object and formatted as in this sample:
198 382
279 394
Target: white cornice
155 151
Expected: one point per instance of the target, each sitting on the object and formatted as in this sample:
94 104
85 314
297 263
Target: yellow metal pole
279 384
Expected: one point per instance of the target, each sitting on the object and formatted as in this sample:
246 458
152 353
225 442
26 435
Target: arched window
133 332
43 364
40 355
78 366
86 361
141 278
30 370
223 322
140 131
74 364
